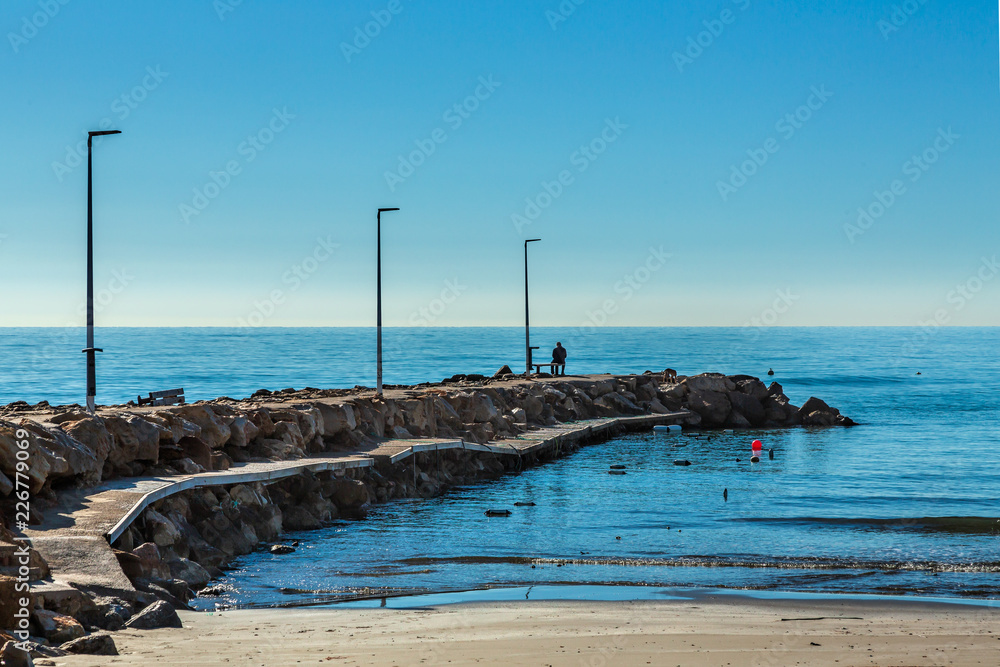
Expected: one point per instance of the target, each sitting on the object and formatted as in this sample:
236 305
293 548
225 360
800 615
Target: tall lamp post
90 350
527 331
378 299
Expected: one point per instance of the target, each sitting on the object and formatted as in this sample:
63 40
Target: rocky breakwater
182 542
743 401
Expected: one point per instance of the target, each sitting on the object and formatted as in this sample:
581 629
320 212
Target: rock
712 406
12 656
716 382
197 450
57 628
143 562
289 433
39 467
815 404
91 432
6 486
164 532
736 420
520 416
775 389
615 404
748 405
177 425
241 432
336 418
243 494
299 518
186 466
157 615
214 431
752 387
189 572
677 391
349 493
133 439
504 370
282 549
99 643
401 433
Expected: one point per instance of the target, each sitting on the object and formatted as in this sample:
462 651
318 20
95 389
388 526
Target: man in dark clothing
559 357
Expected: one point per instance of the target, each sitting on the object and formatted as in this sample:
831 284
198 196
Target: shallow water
906 503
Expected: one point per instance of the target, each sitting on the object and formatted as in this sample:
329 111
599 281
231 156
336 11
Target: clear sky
696 163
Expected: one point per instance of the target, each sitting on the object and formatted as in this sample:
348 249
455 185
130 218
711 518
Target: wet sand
704 632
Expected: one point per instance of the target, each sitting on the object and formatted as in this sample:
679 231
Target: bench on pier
551 366
168 397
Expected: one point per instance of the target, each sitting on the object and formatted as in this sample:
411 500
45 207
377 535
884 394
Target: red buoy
756 446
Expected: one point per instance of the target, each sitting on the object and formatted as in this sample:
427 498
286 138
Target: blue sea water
905 503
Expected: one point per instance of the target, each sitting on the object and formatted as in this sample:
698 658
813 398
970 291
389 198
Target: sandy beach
698 633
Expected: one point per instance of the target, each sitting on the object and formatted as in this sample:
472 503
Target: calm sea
906 503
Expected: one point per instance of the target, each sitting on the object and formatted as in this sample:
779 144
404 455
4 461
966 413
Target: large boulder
57 628
214 430
91 432
615 404
713 407
99 643
163 531
67 458
178 426
241 432
157 615
752 387
189 572
12 656
716 382
346 493
134 439
749 406
38 466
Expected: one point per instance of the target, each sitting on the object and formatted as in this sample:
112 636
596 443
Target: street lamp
90 350
378 319
527 332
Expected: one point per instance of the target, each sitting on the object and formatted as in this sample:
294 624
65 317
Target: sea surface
907 503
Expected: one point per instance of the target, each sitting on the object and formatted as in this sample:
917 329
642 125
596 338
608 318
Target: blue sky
648 115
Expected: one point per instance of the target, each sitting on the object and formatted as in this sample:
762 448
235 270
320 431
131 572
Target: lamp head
383 210
527 241
104 132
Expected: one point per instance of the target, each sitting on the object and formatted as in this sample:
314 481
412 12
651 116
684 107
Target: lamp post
527 331
90 350
378 299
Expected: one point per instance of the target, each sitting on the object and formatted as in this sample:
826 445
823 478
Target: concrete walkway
76 536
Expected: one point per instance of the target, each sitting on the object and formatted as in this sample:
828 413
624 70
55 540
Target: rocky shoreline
180 543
